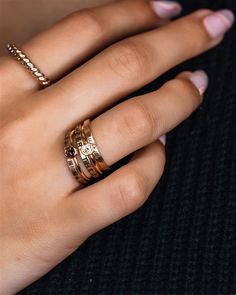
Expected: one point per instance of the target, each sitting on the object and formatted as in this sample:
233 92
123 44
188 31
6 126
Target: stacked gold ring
84 151
82 154
28 64
96 157
71 158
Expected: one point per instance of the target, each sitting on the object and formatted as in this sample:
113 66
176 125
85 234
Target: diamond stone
87 149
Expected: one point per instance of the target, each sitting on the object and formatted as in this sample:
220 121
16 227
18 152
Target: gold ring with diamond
85 150
95 155
82 153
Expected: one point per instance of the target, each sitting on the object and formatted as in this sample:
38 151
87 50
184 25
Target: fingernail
163 139
200 80
219 22
166 9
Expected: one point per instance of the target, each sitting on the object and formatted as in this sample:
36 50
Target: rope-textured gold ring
28 64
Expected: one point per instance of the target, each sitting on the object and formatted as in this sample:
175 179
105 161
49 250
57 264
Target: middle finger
139 121
128 65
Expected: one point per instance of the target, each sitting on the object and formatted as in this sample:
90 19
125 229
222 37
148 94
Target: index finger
81 34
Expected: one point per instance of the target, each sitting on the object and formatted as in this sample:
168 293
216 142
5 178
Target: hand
45 216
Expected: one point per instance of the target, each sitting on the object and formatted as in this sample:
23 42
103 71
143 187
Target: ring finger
139 121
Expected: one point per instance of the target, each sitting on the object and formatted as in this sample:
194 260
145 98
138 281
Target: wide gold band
80 147
28 64
84 151
72 162
95 155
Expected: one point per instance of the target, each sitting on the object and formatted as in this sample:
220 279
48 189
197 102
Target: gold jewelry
70 153
27 63
77 157
81 150
84 151
94 153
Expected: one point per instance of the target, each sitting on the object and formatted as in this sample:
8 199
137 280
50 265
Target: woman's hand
44 217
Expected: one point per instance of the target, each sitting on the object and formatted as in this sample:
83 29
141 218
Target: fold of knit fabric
183 240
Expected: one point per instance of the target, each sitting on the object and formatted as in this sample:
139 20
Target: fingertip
184 75
166 9
163 139
199 79
203 12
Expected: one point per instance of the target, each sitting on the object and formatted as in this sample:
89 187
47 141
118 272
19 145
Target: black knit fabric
183 240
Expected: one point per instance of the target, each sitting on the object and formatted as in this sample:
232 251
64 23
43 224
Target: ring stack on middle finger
82 154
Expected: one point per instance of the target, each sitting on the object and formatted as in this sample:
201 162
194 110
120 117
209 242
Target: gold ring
84 150
70 153
95 154
28 64
81 150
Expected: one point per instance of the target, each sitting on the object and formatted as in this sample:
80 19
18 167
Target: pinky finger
103 203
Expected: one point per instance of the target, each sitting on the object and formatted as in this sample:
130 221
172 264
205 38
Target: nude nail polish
163 139
219 22
200 80
166 9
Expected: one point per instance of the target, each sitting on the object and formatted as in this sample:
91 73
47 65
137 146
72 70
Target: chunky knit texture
183 240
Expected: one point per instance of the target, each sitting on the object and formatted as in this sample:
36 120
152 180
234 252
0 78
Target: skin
45 216
40 14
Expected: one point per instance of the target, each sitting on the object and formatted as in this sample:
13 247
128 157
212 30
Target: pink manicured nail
218 23
163 139
200 80
166 9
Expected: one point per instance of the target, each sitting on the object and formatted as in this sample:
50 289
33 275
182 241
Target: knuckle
88 20
13 134
138 120
128 59
132 190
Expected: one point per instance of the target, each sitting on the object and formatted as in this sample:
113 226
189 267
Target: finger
138 122
128 65
82 34
141 120
90 209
